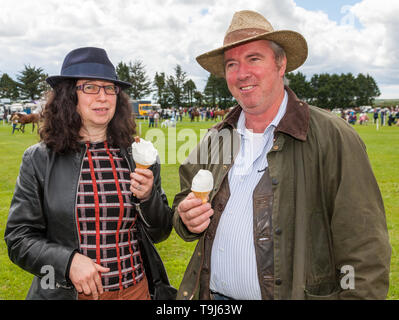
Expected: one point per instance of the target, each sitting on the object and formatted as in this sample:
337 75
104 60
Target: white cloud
165 33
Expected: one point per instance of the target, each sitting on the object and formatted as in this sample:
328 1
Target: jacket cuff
69 282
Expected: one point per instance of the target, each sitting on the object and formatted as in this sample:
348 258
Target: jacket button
278 282
185 293
275 147
278 231
274 181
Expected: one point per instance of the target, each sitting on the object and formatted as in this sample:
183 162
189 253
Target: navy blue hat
87 63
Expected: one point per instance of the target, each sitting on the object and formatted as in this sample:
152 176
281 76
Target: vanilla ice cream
202 184
144 153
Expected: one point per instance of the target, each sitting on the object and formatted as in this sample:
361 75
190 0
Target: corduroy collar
295 121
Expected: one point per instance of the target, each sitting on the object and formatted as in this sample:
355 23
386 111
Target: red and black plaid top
106 217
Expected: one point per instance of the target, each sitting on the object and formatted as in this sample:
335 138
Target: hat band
242 34
90 69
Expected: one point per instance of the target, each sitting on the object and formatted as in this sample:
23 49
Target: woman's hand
84 274
141 183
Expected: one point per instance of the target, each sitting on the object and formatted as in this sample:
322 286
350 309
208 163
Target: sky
357 36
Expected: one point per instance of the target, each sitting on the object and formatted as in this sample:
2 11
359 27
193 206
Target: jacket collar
294 123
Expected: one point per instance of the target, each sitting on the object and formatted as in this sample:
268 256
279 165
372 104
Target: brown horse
219 113
23 119
194 114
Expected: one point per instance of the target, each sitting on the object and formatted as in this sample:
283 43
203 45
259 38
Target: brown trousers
136 292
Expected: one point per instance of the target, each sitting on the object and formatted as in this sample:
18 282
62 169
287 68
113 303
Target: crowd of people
383 116
176 114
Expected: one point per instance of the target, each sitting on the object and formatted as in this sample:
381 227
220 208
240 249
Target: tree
217 92
298 83
8 87
175 85
198 97
210 90
135 74
321 86
32 82
141 86
189 89
122 70
161 93
366 90
344 91
225 97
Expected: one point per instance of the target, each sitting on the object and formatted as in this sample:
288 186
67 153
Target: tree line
323 90
335 90
174 90
30 84
167 90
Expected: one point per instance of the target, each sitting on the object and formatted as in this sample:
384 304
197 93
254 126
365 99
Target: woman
73 211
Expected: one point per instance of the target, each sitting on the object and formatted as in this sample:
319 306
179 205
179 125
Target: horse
23 119
219 113
194 114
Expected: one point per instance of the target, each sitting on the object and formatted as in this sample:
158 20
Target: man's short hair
279 53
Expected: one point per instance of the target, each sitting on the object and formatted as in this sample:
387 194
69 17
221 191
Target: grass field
382 147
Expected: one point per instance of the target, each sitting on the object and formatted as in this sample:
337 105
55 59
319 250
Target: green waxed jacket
327 212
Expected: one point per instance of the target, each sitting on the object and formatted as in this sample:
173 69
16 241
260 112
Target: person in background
375 116
295 211
151 114
14 122
156 118
80 206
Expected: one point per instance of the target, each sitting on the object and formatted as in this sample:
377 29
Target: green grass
382 147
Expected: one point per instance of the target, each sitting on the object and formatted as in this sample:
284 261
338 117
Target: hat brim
293 43
54 80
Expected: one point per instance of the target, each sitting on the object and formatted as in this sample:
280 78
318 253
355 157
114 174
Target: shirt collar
280 114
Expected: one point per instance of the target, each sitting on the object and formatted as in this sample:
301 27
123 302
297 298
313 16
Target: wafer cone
142 166
202 195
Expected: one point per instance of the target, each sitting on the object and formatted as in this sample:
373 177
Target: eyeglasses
95 89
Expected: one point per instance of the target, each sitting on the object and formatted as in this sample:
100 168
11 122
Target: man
297 213
151 118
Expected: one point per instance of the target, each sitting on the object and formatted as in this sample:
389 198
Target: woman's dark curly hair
62 122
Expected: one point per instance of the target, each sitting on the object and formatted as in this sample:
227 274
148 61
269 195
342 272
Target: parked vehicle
141 108
16 107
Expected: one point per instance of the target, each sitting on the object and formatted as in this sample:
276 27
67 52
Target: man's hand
194 214
84 275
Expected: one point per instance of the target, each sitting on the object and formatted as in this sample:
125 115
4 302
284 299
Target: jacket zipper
137 205
203 247
74 207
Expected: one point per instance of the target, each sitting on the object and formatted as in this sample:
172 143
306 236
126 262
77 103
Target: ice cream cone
204 196
144 153
142 166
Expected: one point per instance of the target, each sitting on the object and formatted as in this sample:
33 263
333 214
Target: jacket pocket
321 260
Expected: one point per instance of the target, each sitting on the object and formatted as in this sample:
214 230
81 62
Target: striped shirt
106 217
233 262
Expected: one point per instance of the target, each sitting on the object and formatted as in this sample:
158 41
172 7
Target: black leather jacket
42 232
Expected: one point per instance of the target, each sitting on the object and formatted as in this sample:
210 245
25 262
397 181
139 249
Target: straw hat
247 26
